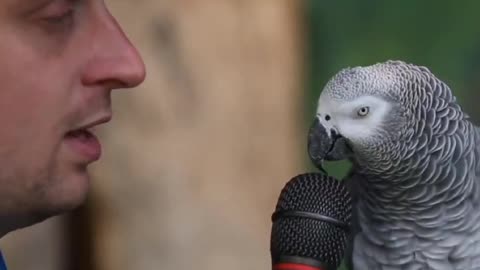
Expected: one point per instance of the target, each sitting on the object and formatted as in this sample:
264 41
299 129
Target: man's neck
12 223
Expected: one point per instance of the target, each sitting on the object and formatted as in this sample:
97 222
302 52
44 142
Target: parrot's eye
363 111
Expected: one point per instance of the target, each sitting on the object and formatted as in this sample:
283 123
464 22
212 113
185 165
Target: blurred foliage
441 35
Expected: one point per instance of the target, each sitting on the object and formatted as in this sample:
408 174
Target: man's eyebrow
28 6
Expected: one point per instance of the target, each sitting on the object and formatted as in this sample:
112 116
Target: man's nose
115 62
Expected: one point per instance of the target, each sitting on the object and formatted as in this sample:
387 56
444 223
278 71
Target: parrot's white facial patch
357 120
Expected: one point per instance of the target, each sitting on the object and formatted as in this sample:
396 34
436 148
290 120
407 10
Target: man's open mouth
83 134
85 143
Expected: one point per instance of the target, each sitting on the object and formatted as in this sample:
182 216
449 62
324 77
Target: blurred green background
441 35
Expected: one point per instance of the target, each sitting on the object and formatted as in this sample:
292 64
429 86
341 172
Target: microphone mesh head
306 237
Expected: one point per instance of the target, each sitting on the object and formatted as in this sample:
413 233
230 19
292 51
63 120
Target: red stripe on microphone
294 266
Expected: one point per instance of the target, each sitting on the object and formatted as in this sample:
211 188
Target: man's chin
71 193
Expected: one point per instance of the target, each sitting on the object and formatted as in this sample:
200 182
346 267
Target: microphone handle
298 263
295 266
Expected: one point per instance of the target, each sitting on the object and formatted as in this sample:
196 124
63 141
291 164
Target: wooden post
196 157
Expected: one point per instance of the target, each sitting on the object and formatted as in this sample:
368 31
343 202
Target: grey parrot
415 177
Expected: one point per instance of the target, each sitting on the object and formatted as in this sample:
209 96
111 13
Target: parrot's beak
326 144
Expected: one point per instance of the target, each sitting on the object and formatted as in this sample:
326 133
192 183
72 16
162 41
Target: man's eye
64 18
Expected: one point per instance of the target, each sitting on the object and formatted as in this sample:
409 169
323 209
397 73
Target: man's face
59 61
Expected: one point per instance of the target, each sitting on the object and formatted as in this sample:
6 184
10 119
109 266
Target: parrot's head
368 114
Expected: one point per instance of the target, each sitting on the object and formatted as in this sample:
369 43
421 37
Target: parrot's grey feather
350 181
417 196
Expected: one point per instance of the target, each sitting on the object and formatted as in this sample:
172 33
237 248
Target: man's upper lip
98 121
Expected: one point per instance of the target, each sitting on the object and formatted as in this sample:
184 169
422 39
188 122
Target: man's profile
60 60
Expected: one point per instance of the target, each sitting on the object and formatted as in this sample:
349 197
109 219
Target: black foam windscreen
311 220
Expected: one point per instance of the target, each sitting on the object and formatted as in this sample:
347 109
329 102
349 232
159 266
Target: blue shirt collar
3 266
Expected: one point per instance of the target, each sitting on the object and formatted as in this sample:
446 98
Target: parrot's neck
444 171
431 213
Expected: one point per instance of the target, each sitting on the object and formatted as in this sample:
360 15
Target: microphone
310 224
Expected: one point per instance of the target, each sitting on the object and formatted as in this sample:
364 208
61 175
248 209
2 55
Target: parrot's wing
351 181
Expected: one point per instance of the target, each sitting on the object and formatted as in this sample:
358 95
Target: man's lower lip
86 145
